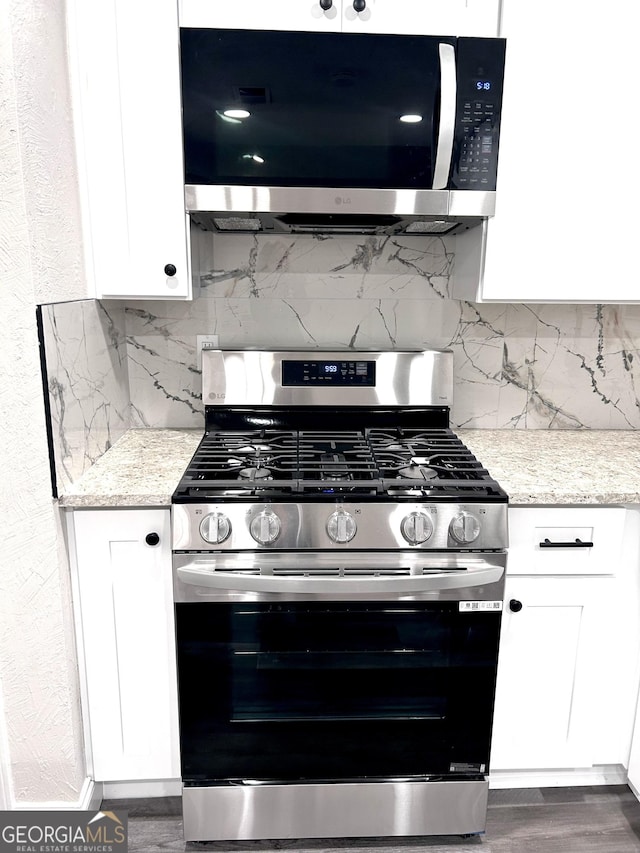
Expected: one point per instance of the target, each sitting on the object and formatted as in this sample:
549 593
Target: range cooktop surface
367 464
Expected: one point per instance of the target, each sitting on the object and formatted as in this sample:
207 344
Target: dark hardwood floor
533 820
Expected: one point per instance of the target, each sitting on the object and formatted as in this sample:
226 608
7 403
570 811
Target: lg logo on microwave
341 199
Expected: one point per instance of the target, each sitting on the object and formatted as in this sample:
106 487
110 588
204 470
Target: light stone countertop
560 466
141 469
532 466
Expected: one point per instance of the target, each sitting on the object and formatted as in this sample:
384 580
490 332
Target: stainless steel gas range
339 560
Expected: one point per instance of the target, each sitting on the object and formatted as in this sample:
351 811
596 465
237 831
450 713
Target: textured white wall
39 250
43 112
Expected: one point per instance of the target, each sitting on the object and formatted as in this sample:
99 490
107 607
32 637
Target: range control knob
215 528
464 528
416 527
341 526
265 527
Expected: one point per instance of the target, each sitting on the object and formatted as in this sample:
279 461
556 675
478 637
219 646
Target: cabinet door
424 17
126 91
260 15
562 231
126 612
547 674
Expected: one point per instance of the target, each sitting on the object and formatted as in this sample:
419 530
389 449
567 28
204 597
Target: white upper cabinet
126 89
423 17
410 17
565 228
262 15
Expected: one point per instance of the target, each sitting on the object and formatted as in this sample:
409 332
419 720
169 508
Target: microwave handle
447 123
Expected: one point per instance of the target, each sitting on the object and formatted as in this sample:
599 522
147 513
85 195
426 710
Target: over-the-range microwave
315 132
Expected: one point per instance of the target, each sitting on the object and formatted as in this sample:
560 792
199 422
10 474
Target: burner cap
252 449
417 471
253 473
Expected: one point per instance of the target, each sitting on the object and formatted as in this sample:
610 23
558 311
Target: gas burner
335 467
419 468
255 473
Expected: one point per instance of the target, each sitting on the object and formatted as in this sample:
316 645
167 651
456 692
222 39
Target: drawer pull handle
578 543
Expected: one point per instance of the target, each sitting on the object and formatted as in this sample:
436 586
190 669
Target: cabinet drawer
565 541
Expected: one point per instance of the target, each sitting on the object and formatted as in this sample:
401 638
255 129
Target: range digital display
349 373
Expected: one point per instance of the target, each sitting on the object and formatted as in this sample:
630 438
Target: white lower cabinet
546 675
569 655
124 609
568 660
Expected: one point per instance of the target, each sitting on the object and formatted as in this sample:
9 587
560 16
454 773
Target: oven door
383 669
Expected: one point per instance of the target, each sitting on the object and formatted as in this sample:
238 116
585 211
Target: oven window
334 690
338 664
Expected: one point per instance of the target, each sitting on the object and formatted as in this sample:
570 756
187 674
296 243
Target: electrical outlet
204 342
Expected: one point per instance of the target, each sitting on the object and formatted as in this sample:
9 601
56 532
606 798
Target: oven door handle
203 575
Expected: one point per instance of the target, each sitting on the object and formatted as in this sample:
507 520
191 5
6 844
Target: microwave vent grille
424 226
237 223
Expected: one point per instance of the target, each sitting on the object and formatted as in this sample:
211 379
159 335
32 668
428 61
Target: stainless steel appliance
339 561
309 132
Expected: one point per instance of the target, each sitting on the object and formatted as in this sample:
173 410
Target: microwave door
333 110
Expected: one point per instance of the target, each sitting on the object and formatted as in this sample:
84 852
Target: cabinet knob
515 605
170 270
359 5
152 538
325 5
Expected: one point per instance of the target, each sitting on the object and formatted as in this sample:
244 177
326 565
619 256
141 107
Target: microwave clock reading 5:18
483 85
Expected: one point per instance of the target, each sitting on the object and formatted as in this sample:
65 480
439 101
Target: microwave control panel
478 107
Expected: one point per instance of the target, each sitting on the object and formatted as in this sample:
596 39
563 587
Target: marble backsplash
516 366
88 384
114 365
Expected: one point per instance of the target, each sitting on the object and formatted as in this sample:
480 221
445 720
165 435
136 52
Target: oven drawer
565 540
